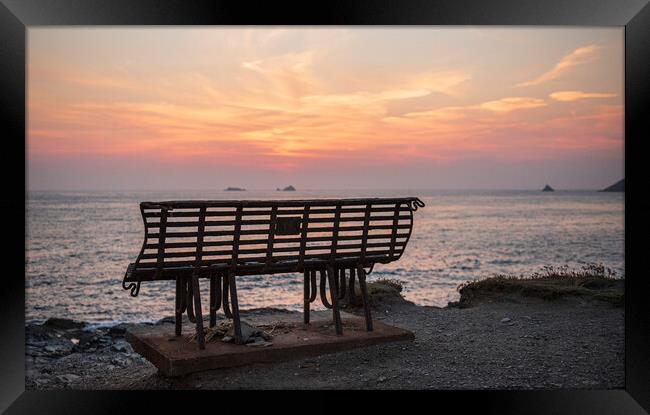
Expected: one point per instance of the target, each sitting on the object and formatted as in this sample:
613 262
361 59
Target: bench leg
364 297
331 275
197 311
235 309
215 298
306 297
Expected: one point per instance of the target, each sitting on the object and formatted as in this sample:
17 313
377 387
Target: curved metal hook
191 301
313 286
372 266
352 294
341 286
133 286
415 203
225 302
323 293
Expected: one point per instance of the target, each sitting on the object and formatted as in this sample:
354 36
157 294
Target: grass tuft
391 282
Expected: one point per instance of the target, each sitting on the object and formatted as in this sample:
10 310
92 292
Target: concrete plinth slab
176 356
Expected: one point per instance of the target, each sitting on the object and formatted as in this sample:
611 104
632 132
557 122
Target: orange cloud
577 57
512 104
578 95
503 105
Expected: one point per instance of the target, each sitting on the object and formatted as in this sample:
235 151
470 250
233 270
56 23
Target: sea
79 244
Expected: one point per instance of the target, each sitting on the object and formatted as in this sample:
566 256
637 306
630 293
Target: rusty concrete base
176 356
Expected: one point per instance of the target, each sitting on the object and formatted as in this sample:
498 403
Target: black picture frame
16 16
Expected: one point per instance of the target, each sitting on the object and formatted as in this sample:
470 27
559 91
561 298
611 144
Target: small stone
505 320
381 378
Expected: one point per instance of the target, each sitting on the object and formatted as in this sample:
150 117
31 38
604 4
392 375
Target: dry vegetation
592 281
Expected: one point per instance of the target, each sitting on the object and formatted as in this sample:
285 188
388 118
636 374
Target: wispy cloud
445 82
503 105
577 57
579 95
512 104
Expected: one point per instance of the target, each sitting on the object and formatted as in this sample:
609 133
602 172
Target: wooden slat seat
224 239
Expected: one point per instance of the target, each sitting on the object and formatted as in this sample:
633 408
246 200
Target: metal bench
223 239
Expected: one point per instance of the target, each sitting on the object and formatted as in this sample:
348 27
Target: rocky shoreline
513 342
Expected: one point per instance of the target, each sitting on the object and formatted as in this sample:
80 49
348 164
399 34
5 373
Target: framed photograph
428 196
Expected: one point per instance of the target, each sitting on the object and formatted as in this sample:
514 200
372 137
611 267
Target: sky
324 107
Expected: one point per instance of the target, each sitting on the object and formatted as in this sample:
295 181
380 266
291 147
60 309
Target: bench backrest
262 237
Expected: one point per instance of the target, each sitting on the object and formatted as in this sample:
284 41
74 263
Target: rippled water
79 244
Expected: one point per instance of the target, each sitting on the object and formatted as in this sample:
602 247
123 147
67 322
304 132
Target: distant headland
234 189
616 187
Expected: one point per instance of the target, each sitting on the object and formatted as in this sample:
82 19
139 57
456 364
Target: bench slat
231 213
195 204
275 249
188 224
283 240
250 268
265 231
326 257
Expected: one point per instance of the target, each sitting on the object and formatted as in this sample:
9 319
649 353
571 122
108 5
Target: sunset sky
331 108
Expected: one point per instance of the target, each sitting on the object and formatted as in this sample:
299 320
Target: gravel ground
513 343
